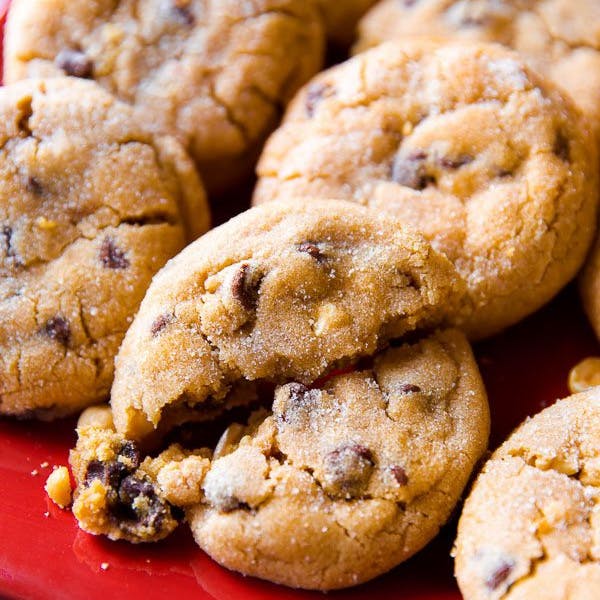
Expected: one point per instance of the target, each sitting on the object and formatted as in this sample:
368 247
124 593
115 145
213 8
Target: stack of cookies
424 194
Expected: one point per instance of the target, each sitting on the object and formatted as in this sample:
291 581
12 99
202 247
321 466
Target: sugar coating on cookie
466 144
91 206
347 479
531 526
281 292
560 38
341 18
216 73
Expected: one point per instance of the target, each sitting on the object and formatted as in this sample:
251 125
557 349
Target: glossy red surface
43 555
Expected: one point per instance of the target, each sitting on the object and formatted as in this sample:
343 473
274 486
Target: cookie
214 73
466 144
280 292
124 496
560 38
590 287
341 17
345 480
91 207
531 526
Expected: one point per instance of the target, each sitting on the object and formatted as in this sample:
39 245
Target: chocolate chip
181 12
132 487
131 452
149 514
74 63
111 256
409 388
34 186
399 474
245 286
7 233
57 328
499 575
561 146
299 402
347 469
455 162
297 392
411 171
110 473
312 250
160 323
314 95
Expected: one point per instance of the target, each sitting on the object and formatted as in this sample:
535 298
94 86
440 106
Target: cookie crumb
46 514
44 465
104 566
58 487
584 375
34 472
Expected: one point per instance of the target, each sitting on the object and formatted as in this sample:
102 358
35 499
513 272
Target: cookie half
560 38
466 144
282 292
531 526
91 206
216 74
346 479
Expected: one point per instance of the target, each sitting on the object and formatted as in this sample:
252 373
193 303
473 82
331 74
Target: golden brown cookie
91 206
560 38
531 527
216 73
341 17
345 480
122 495
281 292
466 144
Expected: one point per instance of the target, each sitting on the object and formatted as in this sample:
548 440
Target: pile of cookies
426 193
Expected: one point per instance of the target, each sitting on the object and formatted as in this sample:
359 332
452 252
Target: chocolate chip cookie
281 292
466 144
122 495
346 479
531 526
560 38
341 17
91 207
214 73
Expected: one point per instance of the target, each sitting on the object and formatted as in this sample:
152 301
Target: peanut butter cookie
531 526
466 144
345 480
281 292
560 38
215 73
91 206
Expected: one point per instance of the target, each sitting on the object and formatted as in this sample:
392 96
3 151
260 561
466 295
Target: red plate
44 555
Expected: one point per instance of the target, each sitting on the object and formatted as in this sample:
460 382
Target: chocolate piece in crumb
348 469
312 250
57 328
245 286
499 575
111 256
410 171
75 63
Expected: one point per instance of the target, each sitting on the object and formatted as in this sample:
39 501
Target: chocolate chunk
150 512
7 233
160 323
409 388
314 95
499 575
399 474
245 286
131 452
455 162
111 256
561 146
34 186
411 171
74 63
347 469
110 473
58 329
298 405
311 249
181 12
132 487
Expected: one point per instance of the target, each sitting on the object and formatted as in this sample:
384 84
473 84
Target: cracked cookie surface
280 292
121 495
531 526
560 38
344 480
91 207
214 72
464 143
